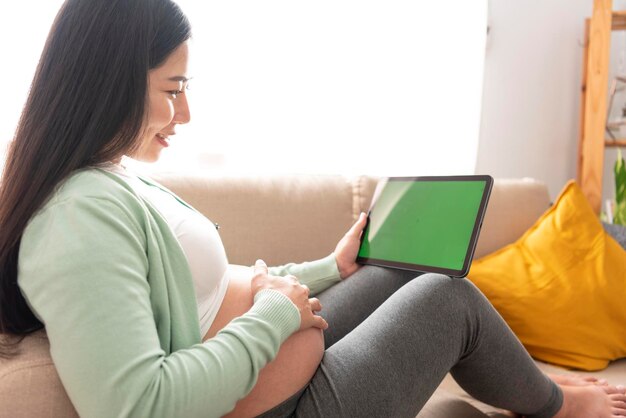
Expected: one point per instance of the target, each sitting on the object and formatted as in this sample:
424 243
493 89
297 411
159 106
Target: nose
181 108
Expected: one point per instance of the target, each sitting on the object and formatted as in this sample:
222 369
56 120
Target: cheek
161 114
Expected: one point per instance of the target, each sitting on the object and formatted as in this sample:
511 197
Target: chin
148 157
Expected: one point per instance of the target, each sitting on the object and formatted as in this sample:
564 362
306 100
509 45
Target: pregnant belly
293 367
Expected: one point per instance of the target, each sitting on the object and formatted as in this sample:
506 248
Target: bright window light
328 87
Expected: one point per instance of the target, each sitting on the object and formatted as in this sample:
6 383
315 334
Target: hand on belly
293 367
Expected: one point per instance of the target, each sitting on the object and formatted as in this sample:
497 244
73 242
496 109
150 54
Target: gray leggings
392 338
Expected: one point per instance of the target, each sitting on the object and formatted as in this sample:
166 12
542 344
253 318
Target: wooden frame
594 98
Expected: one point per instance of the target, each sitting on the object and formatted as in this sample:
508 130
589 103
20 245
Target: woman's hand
348 248
296 292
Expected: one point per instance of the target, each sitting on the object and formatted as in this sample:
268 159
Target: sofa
282 219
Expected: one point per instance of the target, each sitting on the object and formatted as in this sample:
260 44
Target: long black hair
87 105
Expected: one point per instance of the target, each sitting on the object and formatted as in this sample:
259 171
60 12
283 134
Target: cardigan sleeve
83 270
318 275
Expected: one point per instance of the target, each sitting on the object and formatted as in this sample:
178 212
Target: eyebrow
179 78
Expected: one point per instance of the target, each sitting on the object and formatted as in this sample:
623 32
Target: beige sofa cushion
29 384
298 218
279 219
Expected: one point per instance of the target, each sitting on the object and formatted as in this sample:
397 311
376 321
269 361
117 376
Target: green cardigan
101 269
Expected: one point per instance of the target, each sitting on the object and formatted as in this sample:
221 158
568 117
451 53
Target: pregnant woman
146 317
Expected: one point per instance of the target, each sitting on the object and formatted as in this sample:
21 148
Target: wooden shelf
618 21
594 92
592 141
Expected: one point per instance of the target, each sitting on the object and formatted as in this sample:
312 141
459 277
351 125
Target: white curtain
283 86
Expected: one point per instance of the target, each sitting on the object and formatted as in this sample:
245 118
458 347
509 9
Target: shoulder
93 183
93 192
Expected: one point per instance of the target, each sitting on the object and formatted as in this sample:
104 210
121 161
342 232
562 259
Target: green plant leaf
620 178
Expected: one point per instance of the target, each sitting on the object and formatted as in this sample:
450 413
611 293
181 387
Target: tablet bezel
473 239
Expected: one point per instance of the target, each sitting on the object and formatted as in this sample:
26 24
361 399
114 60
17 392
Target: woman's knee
448 291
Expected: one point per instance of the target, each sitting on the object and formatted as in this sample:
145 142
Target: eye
183 87
174 93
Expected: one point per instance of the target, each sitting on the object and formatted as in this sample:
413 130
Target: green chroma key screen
426 225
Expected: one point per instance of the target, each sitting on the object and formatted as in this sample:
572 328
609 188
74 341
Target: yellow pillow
562 286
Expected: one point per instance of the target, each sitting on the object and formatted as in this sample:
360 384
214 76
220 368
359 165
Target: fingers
309 316
316 305
260 267
319 322
358 225
294 290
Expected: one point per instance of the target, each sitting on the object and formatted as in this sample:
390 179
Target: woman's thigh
392 362
350 302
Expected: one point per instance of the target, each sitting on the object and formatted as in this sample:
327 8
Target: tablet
425 224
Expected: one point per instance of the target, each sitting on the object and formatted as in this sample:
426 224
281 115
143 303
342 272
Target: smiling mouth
163 139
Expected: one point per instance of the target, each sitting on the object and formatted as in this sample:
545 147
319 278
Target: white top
198 238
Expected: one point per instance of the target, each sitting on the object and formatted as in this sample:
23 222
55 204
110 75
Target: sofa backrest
30 385
297 218
279 219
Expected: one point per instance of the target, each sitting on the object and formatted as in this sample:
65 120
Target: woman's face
167 104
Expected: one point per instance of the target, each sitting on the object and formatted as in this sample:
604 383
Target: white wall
531 89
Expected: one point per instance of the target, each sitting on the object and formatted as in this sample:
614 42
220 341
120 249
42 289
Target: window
341 87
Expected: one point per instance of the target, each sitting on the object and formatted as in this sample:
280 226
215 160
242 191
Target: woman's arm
83 269
317 275
321 274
